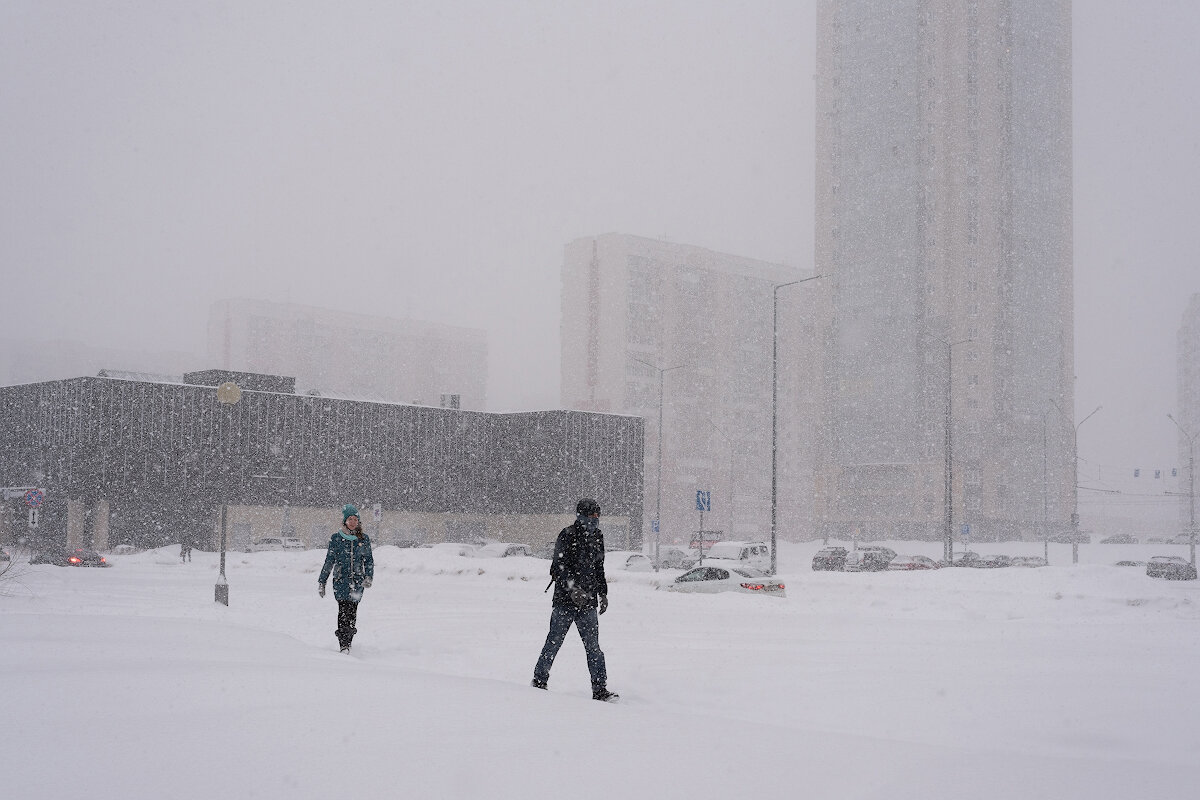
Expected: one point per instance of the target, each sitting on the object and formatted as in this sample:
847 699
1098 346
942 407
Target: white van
751 554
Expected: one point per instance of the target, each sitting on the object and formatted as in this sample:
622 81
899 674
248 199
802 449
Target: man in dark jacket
580 594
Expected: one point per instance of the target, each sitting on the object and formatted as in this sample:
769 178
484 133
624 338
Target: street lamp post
1075 484
658 481
1191 439
774 407
948 544
1045 493
729 442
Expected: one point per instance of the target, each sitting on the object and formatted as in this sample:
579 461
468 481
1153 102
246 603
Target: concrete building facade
641 314
148 464
352 355
943 196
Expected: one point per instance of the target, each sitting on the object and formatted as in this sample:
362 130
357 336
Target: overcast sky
431 160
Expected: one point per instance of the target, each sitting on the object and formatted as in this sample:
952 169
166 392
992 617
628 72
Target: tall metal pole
948 492
1045 494
658 477
1075 492
658 480
774 409
1191 486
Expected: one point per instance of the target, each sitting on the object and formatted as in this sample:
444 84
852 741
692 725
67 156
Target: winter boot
538 683
604 695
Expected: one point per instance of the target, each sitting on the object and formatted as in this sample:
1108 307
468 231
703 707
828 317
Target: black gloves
603 603
321 589
579 597
367 582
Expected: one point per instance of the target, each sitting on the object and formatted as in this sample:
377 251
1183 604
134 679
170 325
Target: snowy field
1062 682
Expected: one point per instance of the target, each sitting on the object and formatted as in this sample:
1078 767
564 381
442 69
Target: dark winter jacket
349 561
578 558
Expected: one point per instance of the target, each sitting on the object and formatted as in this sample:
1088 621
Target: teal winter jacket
350 562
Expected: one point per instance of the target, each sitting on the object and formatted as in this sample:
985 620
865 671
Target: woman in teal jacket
350 562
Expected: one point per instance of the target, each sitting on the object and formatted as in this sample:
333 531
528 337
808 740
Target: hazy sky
431 160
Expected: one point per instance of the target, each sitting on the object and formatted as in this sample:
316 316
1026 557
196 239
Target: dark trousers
588 624
347 619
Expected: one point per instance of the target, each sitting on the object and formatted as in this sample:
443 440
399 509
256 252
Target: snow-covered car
967 558
292 543
267 543
124 550
747 554
675 558
453 548
1028 561
1173 568
1119 538
869 559
627 561
80 557
829 559
994 561
502 550
907 563
713 579
4 556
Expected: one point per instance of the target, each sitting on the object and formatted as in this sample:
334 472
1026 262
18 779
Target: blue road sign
966 529
703 500
654 525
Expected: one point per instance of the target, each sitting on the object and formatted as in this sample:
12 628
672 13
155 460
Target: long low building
149 463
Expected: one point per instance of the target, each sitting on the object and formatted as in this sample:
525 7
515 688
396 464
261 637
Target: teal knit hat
348 511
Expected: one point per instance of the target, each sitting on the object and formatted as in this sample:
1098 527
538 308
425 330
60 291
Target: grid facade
161 458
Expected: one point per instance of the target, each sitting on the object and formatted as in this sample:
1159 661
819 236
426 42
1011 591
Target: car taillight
752 586
781 586
103 560
73 560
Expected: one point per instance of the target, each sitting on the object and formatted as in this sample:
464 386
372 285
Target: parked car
80 557
1173 568
1129 563
502 550
628 561
4 556
829 559
453 548
912 562
1182 538
268 543
869 559
994 561
124 550
1028 561
749 554
1119 538
967 558
675 558
713 579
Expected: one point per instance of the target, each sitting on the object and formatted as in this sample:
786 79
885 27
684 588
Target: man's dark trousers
588 623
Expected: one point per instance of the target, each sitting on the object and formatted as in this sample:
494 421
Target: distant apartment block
352 355
943 195
637 313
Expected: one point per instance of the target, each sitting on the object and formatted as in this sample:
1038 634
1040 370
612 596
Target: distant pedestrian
352 565
185 551
580 596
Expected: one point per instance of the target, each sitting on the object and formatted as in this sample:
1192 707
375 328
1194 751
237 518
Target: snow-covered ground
1062 682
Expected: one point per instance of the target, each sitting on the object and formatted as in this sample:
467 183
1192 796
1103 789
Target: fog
432 159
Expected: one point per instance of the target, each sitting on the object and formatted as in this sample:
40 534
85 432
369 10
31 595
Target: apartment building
943 223
683 334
